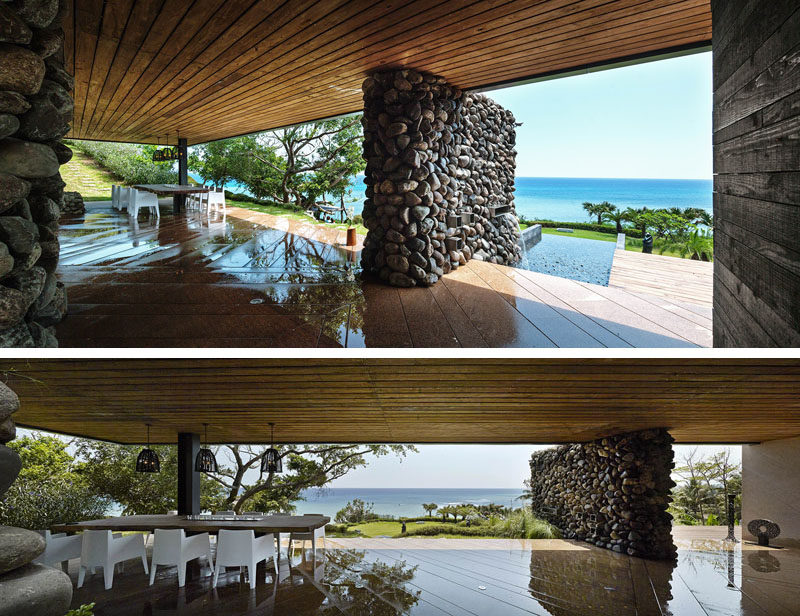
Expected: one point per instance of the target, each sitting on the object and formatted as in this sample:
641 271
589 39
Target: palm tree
636 218
598 209
617 216
430 508
700 246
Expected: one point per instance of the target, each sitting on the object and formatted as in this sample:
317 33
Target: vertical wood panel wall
756 172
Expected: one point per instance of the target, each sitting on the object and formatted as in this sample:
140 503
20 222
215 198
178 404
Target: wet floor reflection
559 579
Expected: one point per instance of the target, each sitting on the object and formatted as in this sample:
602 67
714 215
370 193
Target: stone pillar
25 588
439 176
35 112
613 492
771 487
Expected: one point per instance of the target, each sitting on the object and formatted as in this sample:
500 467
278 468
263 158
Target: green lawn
589 235
85 176
393 529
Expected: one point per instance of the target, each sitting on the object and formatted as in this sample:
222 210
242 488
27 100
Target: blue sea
561 198
403 501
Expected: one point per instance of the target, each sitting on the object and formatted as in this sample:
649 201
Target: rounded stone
55 72
398 279
35 589
18 234
6 261
10 466
63 152
398 263
47 42
16 337
9 402
12 190
37 13
27 159
12 307
18 547
49 115
29 282
9 124
12 28
21 70
43 209
13 102
8 430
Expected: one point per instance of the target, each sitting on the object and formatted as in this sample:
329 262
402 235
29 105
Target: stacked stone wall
25 588
439 176
35 113
613 492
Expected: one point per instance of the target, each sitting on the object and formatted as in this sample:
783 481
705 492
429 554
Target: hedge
586 226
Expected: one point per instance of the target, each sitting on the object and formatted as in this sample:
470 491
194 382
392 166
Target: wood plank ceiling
149 70
420 400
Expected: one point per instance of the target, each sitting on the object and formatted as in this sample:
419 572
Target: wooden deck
259 280
470 577
678 280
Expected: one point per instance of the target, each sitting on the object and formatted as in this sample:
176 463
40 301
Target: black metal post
731 518
188 478
183 174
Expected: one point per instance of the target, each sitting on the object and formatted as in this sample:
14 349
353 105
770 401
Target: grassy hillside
85 176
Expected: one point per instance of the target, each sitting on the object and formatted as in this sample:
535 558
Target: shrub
586 226
430 530
130 163
356 511
38 505
522 524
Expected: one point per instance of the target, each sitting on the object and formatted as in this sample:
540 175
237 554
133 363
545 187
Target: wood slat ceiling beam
422 401
147 70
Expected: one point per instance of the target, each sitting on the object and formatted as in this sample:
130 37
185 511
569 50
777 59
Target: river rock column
439 176
613 492
25 588
35 113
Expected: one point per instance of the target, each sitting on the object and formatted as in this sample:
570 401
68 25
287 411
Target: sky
650 120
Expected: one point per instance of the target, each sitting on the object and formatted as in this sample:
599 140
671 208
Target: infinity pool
570 257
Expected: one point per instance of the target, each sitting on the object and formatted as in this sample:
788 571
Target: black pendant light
148 462
271 462
205 462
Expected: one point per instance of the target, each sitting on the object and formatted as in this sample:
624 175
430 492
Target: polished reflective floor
251 279
474 577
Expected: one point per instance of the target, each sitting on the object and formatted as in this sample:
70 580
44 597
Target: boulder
10 466
47 42
43 337
13 306
8 430
13 102
12 28
63 152
6 261
29 282
43 209
35 590
55 72
18 547
21 70
37 13
16 337
9 402
18 234
52 186
9 124
27 159
49 115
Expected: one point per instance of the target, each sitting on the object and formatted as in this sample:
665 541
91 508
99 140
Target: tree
302 162
110 470
355 511
699 246
598 209
220 162
304 467
447 511
637 217
429 508
616 216
705 484
464 511
48 489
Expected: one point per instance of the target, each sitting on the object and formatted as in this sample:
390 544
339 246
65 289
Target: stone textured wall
612 492
25 588
35 112
439 176
72 203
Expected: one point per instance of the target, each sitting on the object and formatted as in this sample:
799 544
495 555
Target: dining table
201 523
178 192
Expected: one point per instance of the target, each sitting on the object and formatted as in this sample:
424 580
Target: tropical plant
699 245
705 482
598 209
430 507
616 216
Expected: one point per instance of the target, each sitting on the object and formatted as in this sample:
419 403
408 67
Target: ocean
403 501
561 198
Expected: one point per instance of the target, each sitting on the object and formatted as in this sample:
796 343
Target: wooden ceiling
148 70
399 400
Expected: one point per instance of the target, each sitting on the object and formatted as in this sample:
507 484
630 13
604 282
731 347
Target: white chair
214 199
241 548
173 547
59 548
141 199
100 549
123 197
317 533
115 196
